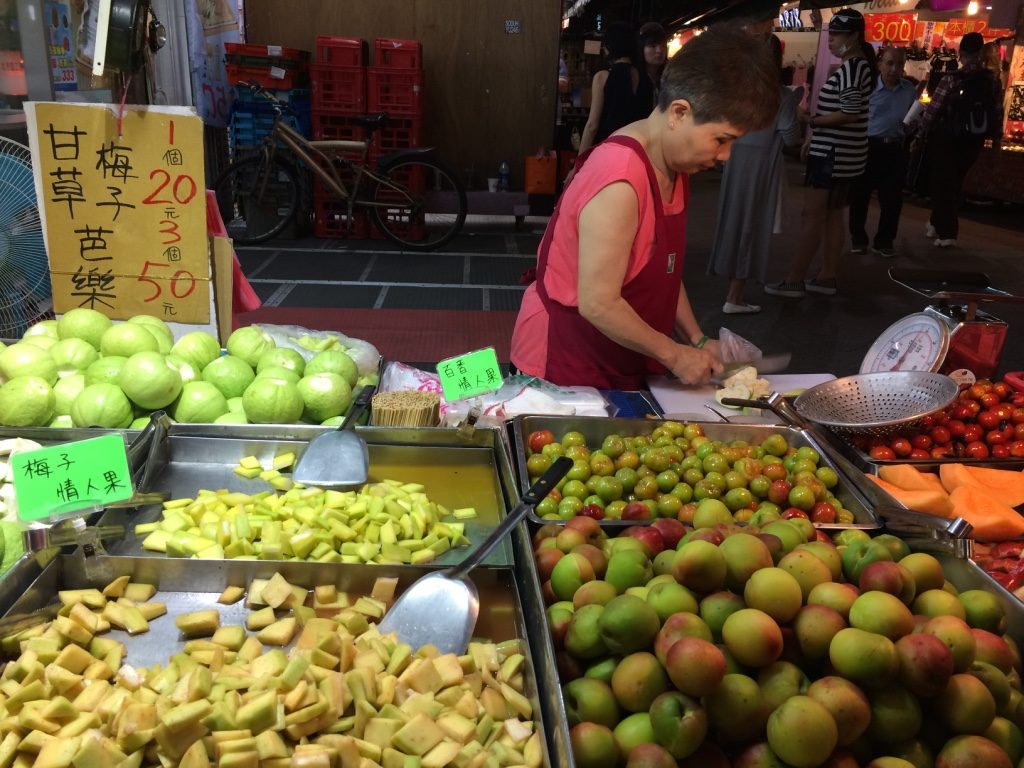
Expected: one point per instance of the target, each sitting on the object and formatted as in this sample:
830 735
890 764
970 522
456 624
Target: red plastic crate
266 51
399 54
395 91
397 133
329 126
342 51
338 89
331 218
270 77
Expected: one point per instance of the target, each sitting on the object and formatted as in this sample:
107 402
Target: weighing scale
950 335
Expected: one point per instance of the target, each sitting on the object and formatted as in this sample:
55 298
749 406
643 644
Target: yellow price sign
124 212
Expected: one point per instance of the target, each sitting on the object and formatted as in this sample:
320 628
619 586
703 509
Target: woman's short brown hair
726 77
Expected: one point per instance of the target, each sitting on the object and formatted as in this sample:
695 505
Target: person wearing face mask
654 54
608 302
836 152
887 157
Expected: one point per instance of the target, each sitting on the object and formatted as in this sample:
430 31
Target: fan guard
25 292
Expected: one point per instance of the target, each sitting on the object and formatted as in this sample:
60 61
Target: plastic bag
736 349
518 395
308 343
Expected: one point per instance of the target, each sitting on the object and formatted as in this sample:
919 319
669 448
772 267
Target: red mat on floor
413 335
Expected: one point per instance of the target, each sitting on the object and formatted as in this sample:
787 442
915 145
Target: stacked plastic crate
284 72
395 85
339 92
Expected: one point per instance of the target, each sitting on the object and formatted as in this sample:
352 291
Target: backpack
972 108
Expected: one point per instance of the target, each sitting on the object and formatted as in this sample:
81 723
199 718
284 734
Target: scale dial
917 342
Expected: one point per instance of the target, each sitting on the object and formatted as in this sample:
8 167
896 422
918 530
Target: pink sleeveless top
607 164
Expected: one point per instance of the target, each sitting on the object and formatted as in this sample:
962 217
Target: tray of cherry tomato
985 422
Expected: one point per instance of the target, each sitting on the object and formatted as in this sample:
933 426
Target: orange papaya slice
1006 485
992 519
930 501
909 477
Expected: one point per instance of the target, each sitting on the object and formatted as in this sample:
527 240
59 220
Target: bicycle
413 199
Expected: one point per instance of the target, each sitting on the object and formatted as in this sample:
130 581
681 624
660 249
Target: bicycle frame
324 164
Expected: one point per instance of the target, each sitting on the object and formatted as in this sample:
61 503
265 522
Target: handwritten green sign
469 375
56 481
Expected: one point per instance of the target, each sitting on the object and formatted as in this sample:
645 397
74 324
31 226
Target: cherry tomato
882 453
901 447
977 391
996 437
940 435
988 420
941 418
1018 432
1002 389
976 450
539 439
973 408
924 442
956 428
919 453
973 433
941 451
1017 417
823 512
960 412
989 400
1017 449
927 423
1004 411
1000 451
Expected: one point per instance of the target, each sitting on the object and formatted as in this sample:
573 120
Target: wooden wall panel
489 94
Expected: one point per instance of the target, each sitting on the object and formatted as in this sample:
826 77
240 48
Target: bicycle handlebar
258 89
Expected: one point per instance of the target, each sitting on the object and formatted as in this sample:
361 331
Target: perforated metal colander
876 404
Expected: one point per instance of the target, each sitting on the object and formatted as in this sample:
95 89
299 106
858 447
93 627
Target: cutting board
674 397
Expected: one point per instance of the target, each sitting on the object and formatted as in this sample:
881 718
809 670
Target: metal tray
967 574
864 461
458 470
190 585
596 428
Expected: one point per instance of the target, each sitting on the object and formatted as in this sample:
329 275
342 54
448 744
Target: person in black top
653 55
613 97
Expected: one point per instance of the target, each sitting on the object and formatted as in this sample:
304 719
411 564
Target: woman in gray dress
749 199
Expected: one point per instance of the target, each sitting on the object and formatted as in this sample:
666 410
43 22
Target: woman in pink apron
609 299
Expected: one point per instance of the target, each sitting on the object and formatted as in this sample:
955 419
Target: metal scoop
442 608
338 457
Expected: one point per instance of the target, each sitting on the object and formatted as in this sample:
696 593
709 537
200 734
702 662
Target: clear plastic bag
736 349
308 342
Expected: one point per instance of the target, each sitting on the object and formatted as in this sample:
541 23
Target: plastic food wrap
308 342
518 395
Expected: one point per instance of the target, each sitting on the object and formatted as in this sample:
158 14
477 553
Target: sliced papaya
992 519
909 477
930 501
1006 485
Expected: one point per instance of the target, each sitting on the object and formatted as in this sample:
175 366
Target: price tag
470 375
273 50
277 73
56 481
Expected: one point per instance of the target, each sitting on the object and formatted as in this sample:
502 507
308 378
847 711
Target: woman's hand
805 149
695 366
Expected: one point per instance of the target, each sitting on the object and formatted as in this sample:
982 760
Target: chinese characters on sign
125 220
469 375
61 46
62 479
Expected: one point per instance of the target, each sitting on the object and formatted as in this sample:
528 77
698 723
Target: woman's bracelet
703 340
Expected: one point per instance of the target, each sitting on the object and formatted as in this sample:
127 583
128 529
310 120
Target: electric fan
25 293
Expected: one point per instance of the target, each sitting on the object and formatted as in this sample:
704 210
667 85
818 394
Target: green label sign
469 375
57 481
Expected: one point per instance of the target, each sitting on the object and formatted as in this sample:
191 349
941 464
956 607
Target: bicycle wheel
419 204
257 199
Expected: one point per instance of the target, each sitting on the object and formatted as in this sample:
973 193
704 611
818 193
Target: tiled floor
480 270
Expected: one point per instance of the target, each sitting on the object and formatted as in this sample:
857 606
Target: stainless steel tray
189 585
967 574
457 470
864 461
594 429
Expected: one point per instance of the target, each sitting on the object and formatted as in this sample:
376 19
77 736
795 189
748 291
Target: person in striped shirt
836 151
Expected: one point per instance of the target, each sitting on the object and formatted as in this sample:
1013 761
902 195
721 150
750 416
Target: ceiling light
972 8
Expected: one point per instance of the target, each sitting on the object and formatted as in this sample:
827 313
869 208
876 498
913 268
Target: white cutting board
674 397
